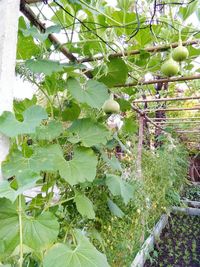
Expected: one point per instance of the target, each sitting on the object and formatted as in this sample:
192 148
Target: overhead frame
31 16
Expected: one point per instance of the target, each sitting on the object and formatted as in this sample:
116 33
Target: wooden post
9 10
140 143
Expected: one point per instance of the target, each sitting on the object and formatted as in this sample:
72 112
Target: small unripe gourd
180 53
111 106
170 68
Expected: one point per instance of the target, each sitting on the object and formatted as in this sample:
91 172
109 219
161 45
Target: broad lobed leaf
81 168
84 254
11 127
88 132
94 94
38 232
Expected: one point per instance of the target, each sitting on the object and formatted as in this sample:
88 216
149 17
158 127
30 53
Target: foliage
61 140
105 200
84 255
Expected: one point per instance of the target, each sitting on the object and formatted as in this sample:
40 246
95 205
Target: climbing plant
63 143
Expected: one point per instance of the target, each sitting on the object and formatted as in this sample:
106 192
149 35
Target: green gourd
180 53
111 106
170 67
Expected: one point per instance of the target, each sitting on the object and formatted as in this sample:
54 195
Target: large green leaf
47 158
16 165
38 233
94 94
50 131
81 168
43 159
124 4
9 228
119 187
83 255
88 132
117 72
84 206
78 170
32 118
6 191
49 66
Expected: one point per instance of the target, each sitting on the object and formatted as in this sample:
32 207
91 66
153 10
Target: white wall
9 10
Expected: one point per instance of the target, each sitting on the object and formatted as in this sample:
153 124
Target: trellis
27 11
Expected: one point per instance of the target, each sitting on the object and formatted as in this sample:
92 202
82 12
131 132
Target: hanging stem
20 231
179 38
49 205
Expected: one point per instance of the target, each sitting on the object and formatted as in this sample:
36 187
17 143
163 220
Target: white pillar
9 14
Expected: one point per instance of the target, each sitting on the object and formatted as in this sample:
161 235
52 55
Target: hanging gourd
111 106
170 67
180 53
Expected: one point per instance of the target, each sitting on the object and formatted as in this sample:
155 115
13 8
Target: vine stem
20 231
58 203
